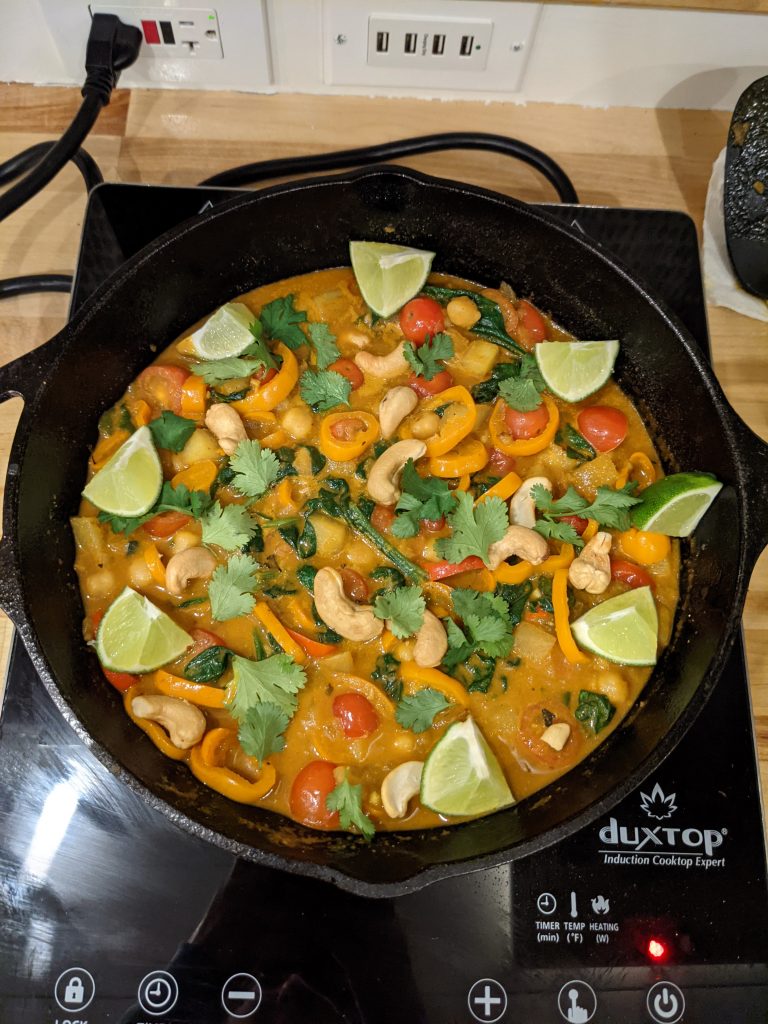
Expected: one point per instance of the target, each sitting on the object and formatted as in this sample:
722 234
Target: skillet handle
752 453
21 378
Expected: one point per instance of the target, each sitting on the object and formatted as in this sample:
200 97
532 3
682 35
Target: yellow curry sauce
535 686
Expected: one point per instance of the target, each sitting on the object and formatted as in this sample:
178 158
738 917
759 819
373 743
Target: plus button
487 1001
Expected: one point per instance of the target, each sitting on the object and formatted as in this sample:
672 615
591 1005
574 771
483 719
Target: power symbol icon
665 1003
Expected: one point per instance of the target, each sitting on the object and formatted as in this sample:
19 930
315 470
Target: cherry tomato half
425 388
355 585
121 681
577 522
355 714
523 425
532 320
631 574
500 462
382 517
311 788
165 524
347 368
420 319
603 426
162 385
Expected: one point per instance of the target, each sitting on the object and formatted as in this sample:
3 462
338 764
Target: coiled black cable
23 162
30 283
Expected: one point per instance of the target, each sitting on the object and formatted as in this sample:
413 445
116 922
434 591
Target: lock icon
74 993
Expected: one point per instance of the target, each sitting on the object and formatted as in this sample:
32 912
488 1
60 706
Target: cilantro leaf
488 389
563 532
274 680
232 586
324 343
231 527
404 609
610 508
171 432
324 389
475 528
172 499
418 711
261 730
256 468
422 498
522 390
258 348
218 370
280 321
487 620
348 801
427 360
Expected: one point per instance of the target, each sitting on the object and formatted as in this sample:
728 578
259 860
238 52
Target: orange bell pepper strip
156 732
502 440
141 411
195 693
197 477
453 427
591 529
276 439
194 392
562 619
641 462
419 677
274 626
154 563
228 783
522 571
340 449
504 489
464 482
107 446
314 648
266 397
468 457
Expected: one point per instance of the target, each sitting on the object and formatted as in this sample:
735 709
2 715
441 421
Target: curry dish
390 558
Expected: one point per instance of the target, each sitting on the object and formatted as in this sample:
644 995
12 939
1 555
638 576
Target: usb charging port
467 45
438 44
382 42
411 39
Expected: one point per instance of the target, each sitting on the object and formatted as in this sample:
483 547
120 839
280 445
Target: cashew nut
425 425
223 421
399 786
384 477
191 564
383 366
520 541
522 507
431 642
591 571
394 407
184 723
556 735
353 621
463 311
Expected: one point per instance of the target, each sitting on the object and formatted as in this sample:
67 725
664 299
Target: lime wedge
135 636
130 480
572 370
675 504
389 275
623 629
462 776
226 333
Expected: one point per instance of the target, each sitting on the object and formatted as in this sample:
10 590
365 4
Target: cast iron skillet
305 226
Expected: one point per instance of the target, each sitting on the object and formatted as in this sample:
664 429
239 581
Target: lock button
74 989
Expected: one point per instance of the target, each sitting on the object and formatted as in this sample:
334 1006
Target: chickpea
299 422
425 425
404 650
100 584
184 539
463 311
613 686
404 742
138 573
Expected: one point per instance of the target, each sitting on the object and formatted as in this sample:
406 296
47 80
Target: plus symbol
487 1000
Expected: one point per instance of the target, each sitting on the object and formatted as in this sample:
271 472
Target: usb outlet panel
436 44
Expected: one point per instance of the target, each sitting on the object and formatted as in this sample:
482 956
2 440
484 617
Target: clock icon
546 903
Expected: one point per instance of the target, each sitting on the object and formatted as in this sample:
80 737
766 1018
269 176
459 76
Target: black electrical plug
112 47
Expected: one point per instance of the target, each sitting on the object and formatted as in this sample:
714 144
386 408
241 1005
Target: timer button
665 1002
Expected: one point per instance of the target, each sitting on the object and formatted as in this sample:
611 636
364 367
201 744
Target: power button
665 1002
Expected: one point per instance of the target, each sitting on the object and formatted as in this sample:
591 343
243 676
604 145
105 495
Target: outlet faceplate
172 32
439 43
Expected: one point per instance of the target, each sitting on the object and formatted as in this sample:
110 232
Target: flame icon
601 905
657 805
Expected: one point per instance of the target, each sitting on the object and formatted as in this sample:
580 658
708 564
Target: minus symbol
241 995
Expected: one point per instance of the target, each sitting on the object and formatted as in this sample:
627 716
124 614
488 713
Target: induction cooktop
109 913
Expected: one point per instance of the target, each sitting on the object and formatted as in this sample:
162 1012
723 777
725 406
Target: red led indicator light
656 949
151 31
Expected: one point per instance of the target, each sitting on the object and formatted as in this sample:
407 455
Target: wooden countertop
617 157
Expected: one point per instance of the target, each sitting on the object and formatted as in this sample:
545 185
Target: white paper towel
721 286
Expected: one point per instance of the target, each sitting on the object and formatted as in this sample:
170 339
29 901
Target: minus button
241 996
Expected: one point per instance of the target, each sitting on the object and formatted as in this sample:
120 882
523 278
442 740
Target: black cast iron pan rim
17 605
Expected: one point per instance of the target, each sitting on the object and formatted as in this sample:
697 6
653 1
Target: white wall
595 56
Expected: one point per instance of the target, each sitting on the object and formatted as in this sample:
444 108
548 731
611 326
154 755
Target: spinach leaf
594 710
575 444
386 674
207 666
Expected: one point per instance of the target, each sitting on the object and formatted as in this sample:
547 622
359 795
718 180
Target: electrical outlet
172 32
481 45
439 43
